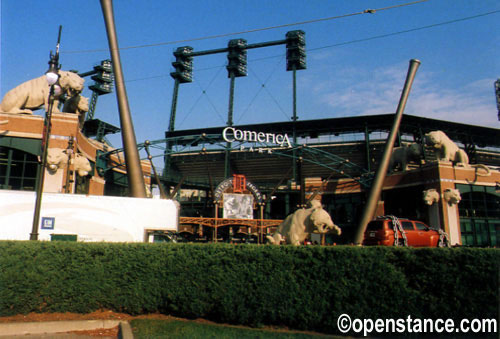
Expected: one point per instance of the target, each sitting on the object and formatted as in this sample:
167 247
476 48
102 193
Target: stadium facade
286 164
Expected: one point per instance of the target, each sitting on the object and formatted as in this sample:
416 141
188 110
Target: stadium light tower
183 73
296 60
497 93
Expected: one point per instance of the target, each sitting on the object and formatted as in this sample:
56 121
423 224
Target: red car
392 231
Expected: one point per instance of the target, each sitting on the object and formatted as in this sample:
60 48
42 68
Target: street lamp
52 76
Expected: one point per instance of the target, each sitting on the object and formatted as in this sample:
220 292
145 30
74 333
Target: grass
147 328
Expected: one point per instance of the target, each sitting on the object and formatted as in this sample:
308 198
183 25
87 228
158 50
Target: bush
304 287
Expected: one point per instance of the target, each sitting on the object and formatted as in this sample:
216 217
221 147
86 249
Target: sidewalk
59 329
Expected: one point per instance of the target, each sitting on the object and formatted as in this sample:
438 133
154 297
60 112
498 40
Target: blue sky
356 65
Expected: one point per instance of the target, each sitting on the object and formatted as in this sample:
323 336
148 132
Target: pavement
59 329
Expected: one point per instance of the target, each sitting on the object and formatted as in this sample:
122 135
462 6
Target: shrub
304 287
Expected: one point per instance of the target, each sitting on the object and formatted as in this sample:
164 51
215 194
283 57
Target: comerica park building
238 182
335 160
283 165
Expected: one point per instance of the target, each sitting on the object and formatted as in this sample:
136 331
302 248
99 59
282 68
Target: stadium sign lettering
231 134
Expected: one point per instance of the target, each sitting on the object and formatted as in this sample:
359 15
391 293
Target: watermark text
409 325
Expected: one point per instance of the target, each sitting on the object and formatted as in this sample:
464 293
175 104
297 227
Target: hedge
305 288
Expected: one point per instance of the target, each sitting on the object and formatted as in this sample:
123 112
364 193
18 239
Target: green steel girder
336 164
104 162
209 143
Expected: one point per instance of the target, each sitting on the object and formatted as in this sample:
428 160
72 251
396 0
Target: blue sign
48 223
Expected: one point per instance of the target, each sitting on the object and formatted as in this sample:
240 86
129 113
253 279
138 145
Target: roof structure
347 147
464 133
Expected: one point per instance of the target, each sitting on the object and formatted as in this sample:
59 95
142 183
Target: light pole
52 76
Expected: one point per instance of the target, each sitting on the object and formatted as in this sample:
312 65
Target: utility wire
354 41
366 11
403 32
204 93
263 87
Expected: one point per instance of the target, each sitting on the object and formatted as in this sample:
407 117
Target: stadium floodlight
237 58
295 50
103 78
183 64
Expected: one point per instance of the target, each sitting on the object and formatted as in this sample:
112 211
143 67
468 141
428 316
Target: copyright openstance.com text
409 325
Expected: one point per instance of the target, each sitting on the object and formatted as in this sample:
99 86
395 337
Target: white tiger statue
81 165
401 156
452 196
430 196
447 149
56 158
77 104
297 226
33 94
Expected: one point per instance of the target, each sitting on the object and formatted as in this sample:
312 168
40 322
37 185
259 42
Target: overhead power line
354 41
404 31
366 11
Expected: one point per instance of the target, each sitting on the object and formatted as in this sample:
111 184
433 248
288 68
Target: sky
356 62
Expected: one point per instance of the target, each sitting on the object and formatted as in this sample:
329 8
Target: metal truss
213 143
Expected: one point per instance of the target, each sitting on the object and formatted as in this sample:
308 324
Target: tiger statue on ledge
33 94
449 151
446 148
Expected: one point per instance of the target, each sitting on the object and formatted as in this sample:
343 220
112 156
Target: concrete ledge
47 327
125 331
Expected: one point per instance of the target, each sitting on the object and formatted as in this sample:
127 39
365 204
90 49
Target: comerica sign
231 134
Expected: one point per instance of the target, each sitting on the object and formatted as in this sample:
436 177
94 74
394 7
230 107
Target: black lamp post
52 76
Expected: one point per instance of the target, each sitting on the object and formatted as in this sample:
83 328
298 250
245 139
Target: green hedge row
304 287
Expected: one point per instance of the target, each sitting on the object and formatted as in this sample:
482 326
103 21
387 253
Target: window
391 225
482 236
18 169
421 226
479 202
479 232
407 225
375 225
116 184
467 232
479 215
